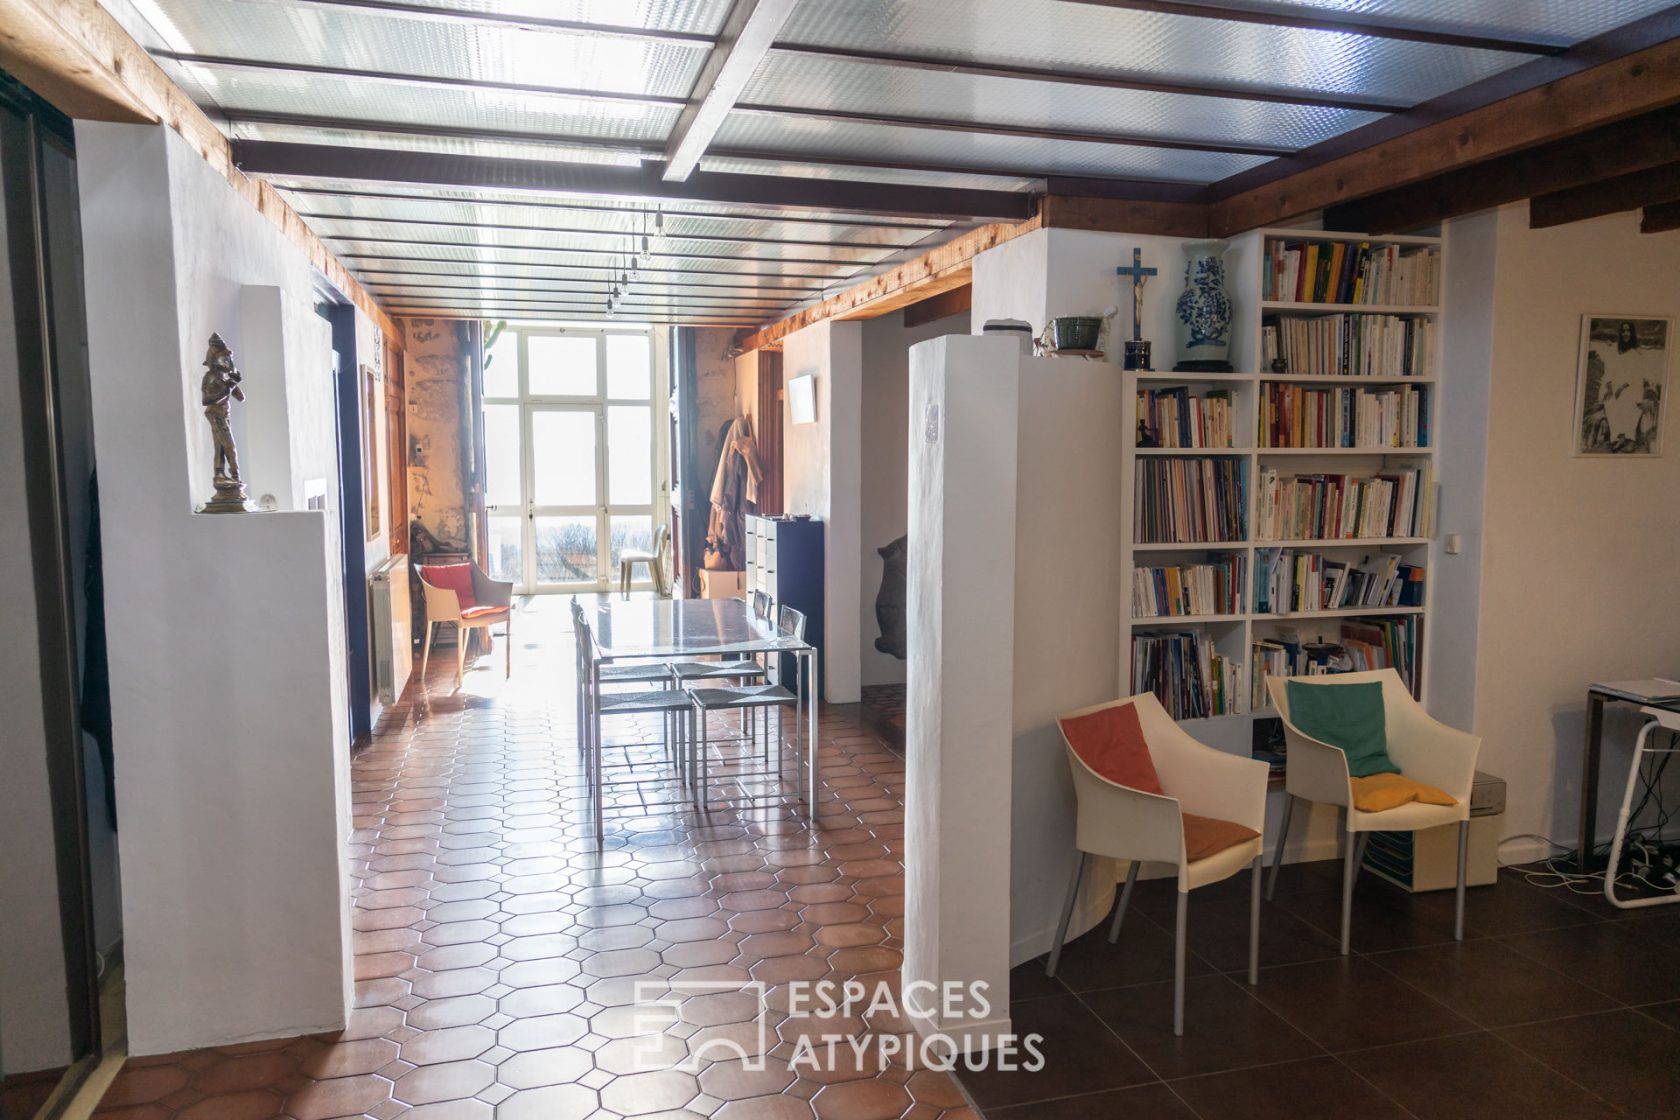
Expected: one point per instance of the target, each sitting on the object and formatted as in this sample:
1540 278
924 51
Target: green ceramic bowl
1075 332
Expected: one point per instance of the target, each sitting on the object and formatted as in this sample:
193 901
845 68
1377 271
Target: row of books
1190 501
1293 415
1349 345
1174 418
1215 587
1396 503
1345 272
1191 678
1363 644
1290 581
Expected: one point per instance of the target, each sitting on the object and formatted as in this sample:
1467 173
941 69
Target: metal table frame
1591 760
688 628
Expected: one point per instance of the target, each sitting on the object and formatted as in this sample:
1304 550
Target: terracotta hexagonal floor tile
142 1085
861 1100
445 1081
345 1059
782 1107
448 1044
637 1093
252 1104
341 1096
556 1102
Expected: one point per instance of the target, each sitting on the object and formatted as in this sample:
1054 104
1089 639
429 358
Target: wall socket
1454 544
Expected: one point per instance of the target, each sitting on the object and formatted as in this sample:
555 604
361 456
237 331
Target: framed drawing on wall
370 450
1620 383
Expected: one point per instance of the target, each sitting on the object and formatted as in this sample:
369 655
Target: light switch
1454 544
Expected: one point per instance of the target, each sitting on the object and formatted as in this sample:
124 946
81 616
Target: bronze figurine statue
221 386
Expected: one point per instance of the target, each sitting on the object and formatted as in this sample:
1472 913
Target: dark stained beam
941 306
328 161
935 65
748 32
623 254
557 140
474 278
585 231
1607 196
1301 18
1122 215
503 262
1638 83
1623 148
388 76
512 21
981 128
1660 218
1606 78
648 211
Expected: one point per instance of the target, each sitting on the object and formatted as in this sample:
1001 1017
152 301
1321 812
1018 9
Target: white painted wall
884 468
34 1035
822 476
1579 556
964 397
226 633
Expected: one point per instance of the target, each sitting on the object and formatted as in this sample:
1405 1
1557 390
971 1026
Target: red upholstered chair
1149 793
462 594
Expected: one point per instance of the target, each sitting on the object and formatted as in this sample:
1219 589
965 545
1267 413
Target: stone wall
438 364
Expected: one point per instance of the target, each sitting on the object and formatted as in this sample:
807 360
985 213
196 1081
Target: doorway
575 452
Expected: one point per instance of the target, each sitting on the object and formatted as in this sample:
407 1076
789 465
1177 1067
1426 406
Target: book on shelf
1288 581
1305 416
1190 500
1174 418
1393 503
1191 678
1348 345
1216 586
1366 643
1302 271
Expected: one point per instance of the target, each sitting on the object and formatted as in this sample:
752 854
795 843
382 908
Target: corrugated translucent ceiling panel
239 89
742 165
793 137
818 83
371 250
703 17
1053 35
1559 22
360 39
626 156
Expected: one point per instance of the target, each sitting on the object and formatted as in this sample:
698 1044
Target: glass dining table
686 629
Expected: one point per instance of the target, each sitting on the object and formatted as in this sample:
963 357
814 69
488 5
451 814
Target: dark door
352 518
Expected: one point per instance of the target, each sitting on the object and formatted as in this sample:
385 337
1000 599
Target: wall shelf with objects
1302 518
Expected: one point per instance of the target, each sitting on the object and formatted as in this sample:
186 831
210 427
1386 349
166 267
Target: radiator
393 640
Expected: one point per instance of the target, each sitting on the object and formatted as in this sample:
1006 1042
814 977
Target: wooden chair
464 595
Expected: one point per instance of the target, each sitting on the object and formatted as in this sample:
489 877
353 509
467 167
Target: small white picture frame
802 399
1621 380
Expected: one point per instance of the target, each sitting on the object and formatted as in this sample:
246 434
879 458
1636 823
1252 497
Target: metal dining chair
746 699
648 672
669 702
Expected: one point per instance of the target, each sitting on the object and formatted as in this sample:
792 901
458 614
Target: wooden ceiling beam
1607 196
72 74
1122 215
1623 148
940 269
1641 82
941 306
1660 218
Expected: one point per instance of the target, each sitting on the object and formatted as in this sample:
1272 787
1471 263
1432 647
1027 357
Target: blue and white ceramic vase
1203 329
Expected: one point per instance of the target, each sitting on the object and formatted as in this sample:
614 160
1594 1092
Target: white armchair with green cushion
1360 741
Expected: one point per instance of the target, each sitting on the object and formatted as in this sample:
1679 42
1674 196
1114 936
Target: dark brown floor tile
1080 1056
1511 905
1224 1027
1667 1013
1349 1003
1473 1077
1145 1102
1492 984
1143 954
1318 1087
1384 916
1608 956
1027 981
1628 1059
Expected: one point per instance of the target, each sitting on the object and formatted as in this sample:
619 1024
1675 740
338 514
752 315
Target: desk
682 629
1591 757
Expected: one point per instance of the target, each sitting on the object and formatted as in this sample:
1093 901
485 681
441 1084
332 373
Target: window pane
632 531
563 457
629 366
630 454
505 549
565 549
501 365
501 454
561 365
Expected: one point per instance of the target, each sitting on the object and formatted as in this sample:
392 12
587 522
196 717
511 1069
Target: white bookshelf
1234 634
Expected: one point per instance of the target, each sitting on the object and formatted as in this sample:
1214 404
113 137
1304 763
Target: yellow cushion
1390 791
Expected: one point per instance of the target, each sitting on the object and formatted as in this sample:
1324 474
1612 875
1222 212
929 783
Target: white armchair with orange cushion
462 594
1149 793
1361 742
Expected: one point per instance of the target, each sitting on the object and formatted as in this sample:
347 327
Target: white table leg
811 735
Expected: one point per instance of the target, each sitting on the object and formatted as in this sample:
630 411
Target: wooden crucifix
1137 350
